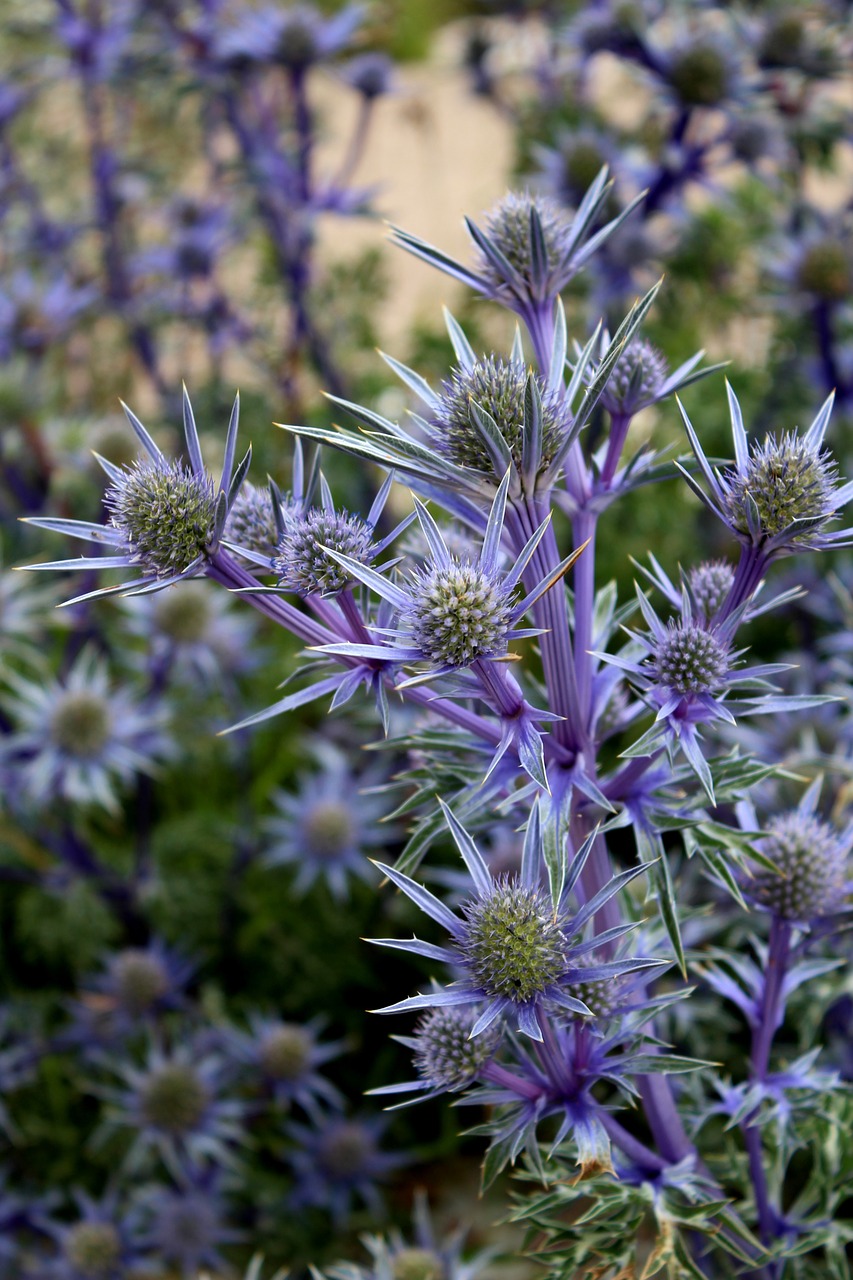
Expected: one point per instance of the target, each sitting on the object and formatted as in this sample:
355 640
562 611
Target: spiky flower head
785 480
325 829
460 611
252 522
79 736
165 518
637 379
513 944
809 880
446 1057
780 495
141 978
165 513
302 562
173 1098
498 387
93 1249
710 583
285 1051
600 995
517 951
508 225
690 659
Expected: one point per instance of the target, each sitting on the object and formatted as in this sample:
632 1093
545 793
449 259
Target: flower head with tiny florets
709 585
338 1160
498 387
79 737
809 880
284 1057
688 658
174 1104
518 955
252 523
638 378
778 497
165 518
784 483
446 1057
303 564
459 613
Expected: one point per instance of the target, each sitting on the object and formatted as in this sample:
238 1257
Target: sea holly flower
166 518
779 495
186 1226
135 987
809 878
98 1246
325 829
454 612
174 1104
303 560
339 1161
428 1257
194 631
518 954
531 248
447 1056
686 670
285 1057
79 738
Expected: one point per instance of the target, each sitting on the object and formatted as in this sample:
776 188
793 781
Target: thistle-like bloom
284 1057
779 496
428 1257
135 987
166 518
531 248
194 631
338 1161
447 1057
702 69
325 829
79 738
252 523
98 1246
186 1227
455 612
175 1107
518 956
498 388
809 878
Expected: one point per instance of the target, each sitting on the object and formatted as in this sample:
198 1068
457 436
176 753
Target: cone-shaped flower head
690 659
498 388
446 1056
166 518
810 857
702 72
251 521
165 514
141 979
781 494
303 564
638 378
173 1098
517 954
709 584
79 737
825 271
94 1249
531 247
455 612
313 538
